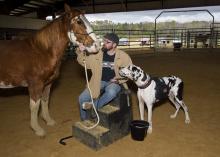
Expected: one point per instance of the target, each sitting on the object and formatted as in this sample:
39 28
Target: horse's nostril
96 44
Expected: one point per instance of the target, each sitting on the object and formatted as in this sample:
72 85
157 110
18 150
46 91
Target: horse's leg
44 106
35 95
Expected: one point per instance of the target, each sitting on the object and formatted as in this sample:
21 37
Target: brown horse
35 62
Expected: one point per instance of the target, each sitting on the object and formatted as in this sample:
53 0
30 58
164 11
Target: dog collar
145 85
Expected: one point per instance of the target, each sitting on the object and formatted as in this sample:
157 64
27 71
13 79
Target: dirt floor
170 137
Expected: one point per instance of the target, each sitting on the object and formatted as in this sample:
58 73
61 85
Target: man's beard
104 49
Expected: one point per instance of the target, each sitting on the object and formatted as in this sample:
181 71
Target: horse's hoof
40 133
51 122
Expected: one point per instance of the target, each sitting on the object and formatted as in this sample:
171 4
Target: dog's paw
149 131
187 121
172 116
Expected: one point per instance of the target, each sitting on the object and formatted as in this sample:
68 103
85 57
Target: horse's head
80 30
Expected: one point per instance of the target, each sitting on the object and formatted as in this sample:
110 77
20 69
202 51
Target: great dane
154 89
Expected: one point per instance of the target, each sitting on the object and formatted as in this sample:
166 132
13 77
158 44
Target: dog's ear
144 78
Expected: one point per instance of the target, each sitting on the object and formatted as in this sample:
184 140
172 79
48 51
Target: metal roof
42 8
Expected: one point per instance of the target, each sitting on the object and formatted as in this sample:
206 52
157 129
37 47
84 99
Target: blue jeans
108 92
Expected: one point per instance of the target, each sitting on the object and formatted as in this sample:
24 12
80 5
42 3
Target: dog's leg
141 105
182 104
187 119
178 97
149 115
171 98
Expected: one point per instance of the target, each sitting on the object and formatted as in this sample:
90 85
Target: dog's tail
180 91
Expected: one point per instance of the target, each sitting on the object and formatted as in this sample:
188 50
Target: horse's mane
49 34
53 32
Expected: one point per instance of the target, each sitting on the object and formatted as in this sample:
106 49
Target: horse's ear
67 8
83 12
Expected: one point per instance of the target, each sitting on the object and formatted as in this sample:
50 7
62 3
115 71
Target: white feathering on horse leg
45 113
34 107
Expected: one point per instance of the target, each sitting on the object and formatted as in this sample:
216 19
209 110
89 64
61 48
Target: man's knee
112 92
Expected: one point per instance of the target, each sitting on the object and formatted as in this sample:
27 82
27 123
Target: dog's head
133 72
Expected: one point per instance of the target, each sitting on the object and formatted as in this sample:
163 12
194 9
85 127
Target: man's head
111 41
112 37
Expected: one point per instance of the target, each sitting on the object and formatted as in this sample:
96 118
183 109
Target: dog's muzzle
121 73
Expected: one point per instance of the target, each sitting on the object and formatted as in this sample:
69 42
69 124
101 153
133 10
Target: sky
150 15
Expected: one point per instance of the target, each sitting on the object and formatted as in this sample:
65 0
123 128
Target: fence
168 38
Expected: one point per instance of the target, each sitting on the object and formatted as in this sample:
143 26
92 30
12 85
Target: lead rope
90 92
61 141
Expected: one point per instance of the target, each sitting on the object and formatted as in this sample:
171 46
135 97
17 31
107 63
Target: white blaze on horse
35 62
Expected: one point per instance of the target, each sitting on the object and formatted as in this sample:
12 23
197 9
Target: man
104 65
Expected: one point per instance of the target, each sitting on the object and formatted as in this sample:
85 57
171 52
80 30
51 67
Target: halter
85 33
69 26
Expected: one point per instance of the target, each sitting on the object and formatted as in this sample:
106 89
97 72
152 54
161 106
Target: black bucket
139 129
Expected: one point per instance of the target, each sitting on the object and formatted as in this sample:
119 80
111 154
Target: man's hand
114 80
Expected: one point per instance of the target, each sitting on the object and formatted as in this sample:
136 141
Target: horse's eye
79 22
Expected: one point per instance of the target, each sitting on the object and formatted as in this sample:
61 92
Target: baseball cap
112 37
